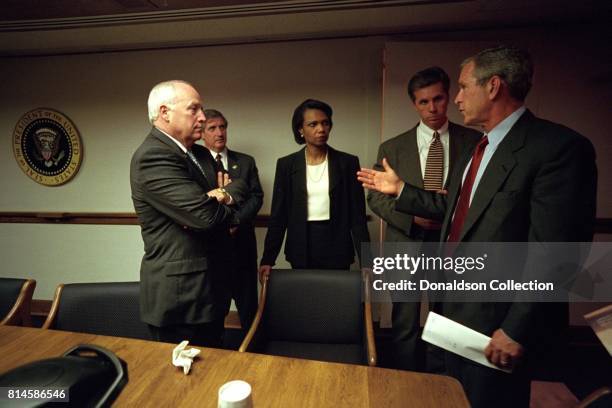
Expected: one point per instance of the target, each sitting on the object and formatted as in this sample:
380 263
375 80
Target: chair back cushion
314 306
110 309
9 292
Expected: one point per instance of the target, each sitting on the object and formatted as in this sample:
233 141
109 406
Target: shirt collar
179 144
427 131
499 132
223 153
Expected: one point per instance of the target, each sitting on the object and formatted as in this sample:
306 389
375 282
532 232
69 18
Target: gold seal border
69 127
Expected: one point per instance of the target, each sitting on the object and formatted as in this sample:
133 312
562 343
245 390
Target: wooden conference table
276 381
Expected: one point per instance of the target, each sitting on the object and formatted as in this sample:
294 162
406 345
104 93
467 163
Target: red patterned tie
463 203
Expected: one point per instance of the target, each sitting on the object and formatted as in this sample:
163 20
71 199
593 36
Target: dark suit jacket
242 167
180 228
540 186
402 153
243 242
290 212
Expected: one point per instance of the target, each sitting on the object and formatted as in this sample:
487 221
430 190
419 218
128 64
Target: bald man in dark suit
185 220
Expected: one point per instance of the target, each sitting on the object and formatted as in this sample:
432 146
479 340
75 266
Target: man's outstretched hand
386 182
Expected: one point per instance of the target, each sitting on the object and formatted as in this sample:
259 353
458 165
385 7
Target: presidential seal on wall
47 146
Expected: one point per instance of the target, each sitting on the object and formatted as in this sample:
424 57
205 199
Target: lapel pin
235 166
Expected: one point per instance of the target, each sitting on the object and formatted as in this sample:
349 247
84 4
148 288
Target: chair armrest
251 337
54 307
594 396
20 312
369 327
369 324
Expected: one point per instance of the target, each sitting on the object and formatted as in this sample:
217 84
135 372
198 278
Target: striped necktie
434 166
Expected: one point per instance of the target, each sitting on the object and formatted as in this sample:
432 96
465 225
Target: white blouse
317 186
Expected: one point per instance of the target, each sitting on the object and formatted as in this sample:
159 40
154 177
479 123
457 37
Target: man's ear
163 112
494 86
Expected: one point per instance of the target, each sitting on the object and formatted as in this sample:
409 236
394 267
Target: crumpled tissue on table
183 357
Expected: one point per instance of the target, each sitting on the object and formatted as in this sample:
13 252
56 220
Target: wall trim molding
112 218
206 13
602 225
90 218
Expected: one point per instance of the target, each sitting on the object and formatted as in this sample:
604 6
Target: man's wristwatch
224 192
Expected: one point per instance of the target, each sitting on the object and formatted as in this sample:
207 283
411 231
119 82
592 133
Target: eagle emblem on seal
47 146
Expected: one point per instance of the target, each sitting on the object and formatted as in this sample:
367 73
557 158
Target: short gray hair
163 93
214 114
512 65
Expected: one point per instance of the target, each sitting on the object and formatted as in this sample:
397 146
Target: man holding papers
527 180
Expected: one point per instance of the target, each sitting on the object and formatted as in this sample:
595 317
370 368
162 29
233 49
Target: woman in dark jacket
317 199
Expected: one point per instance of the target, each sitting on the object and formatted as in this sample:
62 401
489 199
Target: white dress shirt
179 144
495 136
223 157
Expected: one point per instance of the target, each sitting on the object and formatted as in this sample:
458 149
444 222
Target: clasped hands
219 193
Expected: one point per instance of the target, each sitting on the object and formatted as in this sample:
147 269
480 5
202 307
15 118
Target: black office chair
313 314
16 301
110 309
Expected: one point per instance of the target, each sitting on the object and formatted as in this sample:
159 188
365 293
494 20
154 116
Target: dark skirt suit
343 233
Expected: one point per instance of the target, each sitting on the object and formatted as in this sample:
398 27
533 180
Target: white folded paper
457 338
182 357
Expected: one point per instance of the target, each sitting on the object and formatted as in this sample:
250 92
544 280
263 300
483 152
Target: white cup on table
235 394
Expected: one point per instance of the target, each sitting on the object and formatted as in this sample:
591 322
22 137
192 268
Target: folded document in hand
457 338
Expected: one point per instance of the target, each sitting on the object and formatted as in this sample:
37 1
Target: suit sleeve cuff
400 192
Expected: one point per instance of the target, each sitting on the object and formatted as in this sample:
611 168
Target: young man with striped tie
423 156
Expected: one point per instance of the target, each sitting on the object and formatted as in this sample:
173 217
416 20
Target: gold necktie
434 166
